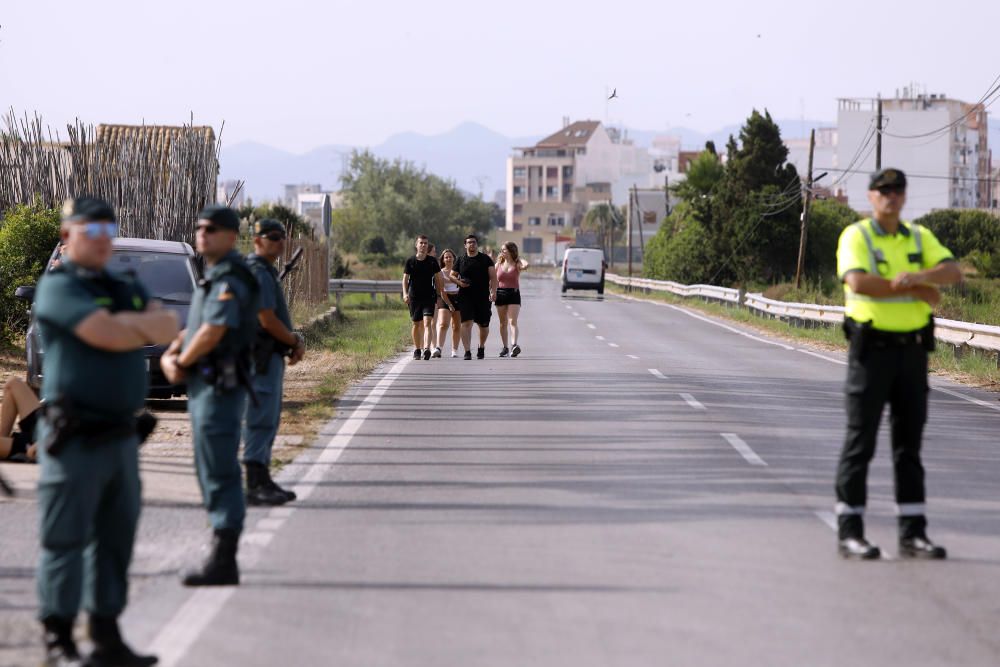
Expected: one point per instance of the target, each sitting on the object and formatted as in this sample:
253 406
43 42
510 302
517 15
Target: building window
552 172
557 221
518 190
581 151
534 221
518 208
552 191
531 246
567 172
519 172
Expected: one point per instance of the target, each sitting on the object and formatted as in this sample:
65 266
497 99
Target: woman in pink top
509 267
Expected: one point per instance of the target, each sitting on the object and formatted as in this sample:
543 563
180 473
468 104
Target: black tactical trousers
878 373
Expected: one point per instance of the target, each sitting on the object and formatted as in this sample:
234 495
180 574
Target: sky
296 74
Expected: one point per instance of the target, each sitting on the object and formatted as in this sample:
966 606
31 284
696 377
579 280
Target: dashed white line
692 401
591 326
575 314
599 337
612 344
632 356
655 373
743 449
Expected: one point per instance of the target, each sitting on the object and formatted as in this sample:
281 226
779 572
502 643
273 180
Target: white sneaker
454 354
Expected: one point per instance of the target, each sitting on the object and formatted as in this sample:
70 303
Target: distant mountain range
472 155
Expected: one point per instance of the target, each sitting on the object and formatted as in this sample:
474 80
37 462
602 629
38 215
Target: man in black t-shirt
477 277
422 283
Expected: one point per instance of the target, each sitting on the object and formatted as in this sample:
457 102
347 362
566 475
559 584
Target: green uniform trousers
215 425
88 498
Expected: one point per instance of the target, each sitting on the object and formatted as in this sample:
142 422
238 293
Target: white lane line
657 373
591 326
829 518
612 344
970 399
692 401
599 337
270 524
823 357
575 314
632 356
713 322
743 449
180 633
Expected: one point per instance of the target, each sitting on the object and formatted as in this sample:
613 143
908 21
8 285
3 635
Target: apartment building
552 184
941 144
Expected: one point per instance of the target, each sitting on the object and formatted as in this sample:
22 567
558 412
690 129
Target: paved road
644 486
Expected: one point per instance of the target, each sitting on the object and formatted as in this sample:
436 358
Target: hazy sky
297 74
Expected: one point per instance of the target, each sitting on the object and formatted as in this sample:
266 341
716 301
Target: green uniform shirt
271 295
894 254
102 384
228 297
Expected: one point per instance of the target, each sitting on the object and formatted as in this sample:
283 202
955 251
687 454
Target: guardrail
339 287
962 335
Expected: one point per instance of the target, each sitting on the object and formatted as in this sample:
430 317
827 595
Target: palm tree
604 219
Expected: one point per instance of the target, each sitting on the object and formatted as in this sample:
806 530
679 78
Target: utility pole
878 137
639 221
628 235
805 211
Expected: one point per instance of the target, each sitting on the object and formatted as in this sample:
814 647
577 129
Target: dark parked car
169 272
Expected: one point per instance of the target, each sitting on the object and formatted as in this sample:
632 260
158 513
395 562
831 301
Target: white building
940 143
224 191
553 183
824 155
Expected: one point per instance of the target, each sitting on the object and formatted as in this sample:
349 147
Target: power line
977 179
991 91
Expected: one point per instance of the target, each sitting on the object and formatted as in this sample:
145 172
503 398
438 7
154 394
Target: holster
66 422
858 337
930 343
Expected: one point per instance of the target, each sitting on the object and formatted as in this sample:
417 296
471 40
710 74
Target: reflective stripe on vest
876 256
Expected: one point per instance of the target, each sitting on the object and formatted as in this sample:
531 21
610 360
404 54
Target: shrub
28 234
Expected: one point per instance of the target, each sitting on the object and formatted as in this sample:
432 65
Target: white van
583 268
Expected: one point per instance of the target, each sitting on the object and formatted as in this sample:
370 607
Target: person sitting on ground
21 405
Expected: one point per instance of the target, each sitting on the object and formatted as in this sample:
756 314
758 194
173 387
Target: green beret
221 216
887 178
88 209
266 226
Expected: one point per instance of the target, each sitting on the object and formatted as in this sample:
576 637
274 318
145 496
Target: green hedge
28 233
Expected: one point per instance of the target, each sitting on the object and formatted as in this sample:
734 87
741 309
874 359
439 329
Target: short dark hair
422 237
473 237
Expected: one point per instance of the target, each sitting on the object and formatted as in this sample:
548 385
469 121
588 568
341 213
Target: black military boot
220 567
109 648
259 492
271 484
60 649
851 542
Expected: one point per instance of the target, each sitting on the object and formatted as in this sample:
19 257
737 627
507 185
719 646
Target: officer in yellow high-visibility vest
889 269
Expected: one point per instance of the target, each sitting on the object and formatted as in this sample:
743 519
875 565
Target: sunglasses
95 230
273 236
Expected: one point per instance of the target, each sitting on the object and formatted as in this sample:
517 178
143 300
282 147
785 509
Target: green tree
603 219
704 173
28 234
397 201
827 220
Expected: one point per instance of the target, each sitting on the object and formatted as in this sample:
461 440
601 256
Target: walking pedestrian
274 341
213 356
448 314
508 301
477 279
93 325
889 269
422 283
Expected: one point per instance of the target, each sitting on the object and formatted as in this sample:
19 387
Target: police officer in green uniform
212 355
93 326
275 340
889 269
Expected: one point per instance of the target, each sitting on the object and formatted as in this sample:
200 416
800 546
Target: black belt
895 338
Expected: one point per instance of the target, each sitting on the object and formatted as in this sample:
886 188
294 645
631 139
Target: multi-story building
824 155
940 143
552 184
292 192
230 190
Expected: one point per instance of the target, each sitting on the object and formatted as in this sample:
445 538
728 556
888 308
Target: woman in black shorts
509 267
21 405
452 317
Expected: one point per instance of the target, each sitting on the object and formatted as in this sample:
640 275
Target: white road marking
743 449
632 356
278 512
657 373
599 337
591 326
187 624
692 401
970 399
270 524
823 357
612 344
575 314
